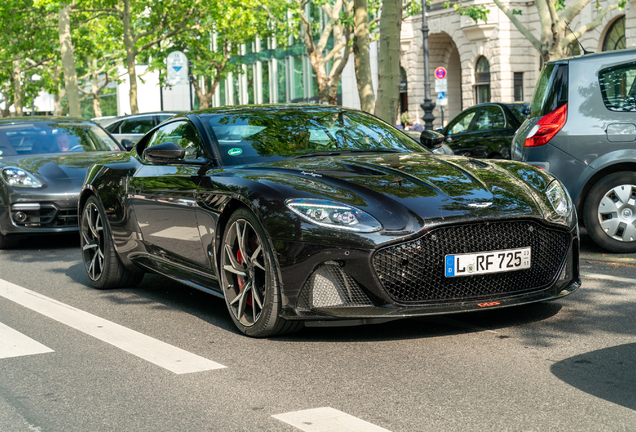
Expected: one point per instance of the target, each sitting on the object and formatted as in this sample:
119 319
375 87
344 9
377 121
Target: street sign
441 85
440 73
177 68
442 100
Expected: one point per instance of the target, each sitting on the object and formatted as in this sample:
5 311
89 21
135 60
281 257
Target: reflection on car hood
390 186
60 167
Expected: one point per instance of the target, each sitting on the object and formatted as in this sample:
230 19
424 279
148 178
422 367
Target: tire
102 265
6 242
609 213
249 278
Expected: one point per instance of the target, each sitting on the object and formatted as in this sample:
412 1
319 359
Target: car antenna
585 52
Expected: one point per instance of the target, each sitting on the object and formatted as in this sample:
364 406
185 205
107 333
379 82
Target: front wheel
6 243
610 212
102 265
249 280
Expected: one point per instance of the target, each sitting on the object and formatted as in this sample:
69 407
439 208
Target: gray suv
582 129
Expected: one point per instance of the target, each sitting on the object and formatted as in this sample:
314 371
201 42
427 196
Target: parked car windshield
267 135
43 137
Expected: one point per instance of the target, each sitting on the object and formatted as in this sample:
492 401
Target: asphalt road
568 365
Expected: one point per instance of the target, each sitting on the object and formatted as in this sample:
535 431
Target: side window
182 133
461 124
137 126
113 128
618 86
490 117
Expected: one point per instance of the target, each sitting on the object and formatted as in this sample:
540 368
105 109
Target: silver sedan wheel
617 213
244 272
92 232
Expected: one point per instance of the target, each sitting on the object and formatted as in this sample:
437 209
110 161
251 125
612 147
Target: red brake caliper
241 282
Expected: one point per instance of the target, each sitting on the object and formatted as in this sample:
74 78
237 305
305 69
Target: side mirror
128 144
431 139
164 153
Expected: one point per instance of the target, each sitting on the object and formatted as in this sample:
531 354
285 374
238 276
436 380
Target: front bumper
39 214
345 284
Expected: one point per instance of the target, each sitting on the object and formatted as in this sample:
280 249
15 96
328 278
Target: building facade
493 61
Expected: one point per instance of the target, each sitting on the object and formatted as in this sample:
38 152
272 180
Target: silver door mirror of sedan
164 153
431 139
128 144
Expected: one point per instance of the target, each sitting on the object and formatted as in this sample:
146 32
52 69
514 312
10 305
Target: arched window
482 80
615 37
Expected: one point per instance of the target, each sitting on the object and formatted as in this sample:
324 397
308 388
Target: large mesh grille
330 287
413 271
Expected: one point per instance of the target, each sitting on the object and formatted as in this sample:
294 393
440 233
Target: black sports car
321 215
43 162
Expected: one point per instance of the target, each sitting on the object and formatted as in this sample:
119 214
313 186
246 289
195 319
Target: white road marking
327 420
162 354
608 277
15 344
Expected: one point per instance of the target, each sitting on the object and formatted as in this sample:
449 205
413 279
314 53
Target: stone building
493 61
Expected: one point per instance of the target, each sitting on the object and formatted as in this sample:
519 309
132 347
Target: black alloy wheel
610 212
102 265
249 280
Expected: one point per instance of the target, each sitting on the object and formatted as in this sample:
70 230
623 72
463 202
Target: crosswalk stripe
160 353
15 344
327 420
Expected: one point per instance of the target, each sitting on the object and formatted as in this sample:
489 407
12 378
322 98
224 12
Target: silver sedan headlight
332 214
18 177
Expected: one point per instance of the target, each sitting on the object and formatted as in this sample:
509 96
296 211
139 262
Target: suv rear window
618 87
551 91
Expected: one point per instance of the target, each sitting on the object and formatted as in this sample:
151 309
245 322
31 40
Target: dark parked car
485 130
129 129
323 215
582 129
43 162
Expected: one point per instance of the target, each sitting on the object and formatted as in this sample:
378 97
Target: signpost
177 68
441 87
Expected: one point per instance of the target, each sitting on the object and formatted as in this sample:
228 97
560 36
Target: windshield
271 134
41 137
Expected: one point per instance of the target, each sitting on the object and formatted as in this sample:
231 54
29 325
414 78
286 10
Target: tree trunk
97 107
131 54
16 73
386 105
361 56
68 61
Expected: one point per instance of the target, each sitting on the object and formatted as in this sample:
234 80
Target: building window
518 86
482 80
615 37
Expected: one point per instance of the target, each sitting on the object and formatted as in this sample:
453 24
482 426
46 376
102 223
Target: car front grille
413 272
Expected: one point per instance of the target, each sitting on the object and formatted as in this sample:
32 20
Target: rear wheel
102 265
250 282
610 212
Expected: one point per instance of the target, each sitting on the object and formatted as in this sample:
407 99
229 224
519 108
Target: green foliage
476 12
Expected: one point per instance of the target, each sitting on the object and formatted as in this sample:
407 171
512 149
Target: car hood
408 191
56 169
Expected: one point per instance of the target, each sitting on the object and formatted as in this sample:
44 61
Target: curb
608 259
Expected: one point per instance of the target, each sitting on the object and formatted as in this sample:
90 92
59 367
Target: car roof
45 119
595 57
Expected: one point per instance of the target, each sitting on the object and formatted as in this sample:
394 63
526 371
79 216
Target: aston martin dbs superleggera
320 215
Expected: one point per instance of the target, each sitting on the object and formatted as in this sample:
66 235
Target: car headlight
20 178
331 214
559 198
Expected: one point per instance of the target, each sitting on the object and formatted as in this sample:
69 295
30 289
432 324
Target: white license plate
487 262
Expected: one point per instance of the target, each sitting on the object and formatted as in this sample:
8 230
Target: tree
145 23
554 38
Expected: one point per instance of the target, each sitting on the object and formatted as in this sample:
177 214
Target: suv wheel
610 212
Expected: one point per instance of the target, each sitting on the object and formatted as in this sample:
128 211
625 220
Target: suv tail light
547 127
